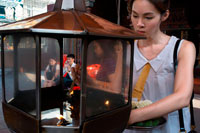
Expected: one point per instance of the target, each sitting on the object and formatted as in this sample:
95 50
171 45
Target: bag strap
175 54
192 114
180 111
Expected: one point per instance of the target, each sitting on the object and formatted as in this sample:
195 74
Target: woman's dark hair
160 5
53 57
71 56
107 47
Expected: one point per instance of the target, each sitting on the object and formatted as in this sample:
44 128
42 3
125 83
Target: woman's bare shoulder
188 45
187 49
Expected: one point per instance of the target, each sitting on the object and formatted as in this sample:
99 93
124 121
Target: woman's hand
135 116
131 118
118 48
76 74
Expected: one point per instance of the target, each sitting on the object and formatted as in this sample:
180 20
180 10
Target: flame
107 102
93 69
71 107
90 68
60 117
71 93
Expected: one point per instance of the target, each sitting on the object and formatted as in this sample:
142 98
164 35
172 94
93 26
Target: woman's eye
149 17
135 16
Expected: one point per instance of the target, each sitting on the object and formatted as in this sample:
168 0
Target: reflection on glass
105 68
50 74
9 68
20 72
61 103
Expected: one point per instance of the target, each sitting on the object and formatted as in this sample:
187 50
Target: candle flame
71 107
59 117
90 68
72 92
107 102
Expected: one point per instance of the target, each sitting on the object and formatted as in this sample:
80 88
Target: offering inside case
38 93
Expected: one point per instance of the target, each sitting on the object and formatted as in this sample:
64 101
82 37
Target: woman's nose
140 22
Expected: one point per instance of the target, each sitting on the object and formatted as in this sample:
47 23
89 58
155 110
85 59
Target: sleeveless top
159 84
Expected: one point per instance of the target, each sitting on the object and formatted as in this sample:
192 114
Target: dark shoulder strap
175 54
180 111
192 115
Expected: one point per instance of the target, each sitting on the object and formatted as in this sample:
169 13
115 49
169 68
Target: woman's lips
141 32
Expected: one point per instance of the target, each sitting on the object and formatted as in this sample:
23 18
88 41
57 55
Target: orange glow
59 117
72 92
93 69
71 107
107 102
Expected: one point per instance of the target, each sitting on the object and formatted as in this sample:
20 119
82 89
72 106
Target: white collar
140 60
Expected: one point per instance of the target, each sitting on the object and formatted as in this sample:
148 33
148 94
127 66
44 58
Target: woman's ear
165 15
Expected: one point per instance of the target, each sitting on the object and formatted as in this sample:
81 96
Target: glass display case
39 96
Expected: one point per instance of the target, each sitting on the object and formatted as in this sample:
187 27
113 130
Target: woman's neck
152 46
156 39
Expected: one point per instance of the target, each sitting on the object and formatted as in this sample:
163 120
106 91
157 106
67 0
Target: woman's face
145 17
52 62
70 60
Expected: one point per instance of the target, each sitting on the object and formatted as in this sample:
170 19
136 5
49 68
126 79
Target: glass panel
50 62
108 62
60 100
51 91
20 72
9 68
71 78
71 60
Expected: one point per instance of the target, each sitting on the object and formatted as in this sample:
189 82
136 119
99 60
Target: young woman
104 91
167 92
108 77
51 73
